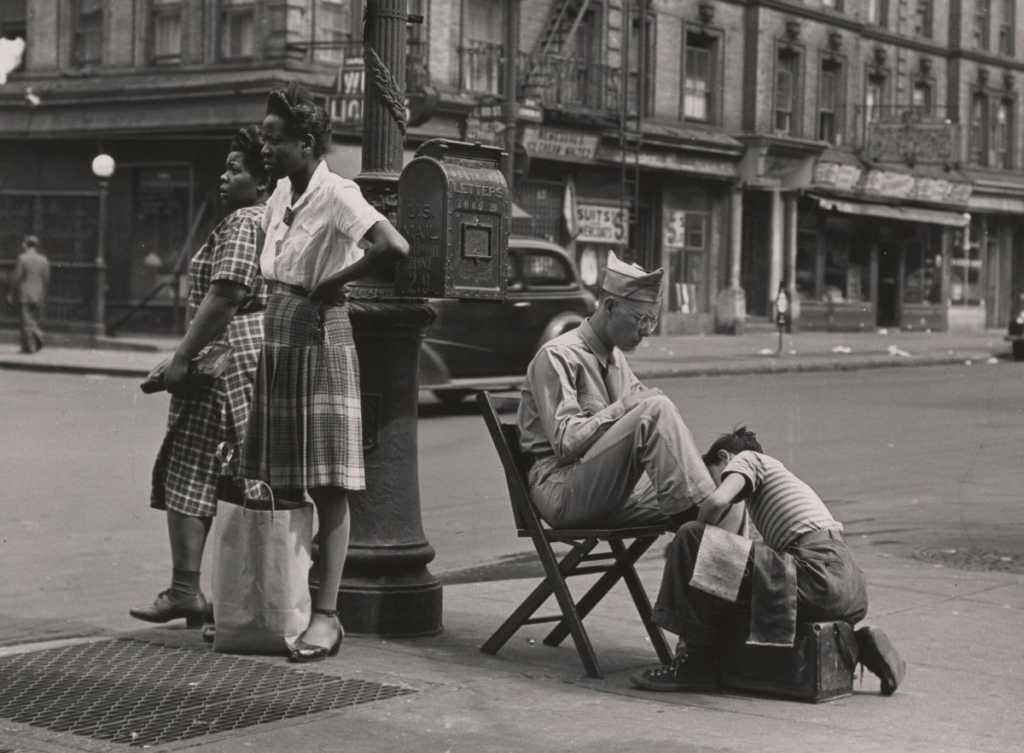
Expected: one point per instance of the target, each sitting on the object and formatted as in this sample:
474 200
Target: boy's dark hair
734 442
248 143
301 115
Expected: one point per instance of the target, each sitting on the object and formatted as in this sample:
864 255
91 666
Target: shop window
686 242
830 103
923 19
878 12
642 38
921 97
979 131
787 92
806 253
982 12
1006 26
88 38
337 30
1002 134
847 277
965 265
237 29
699 77
922 282
165 31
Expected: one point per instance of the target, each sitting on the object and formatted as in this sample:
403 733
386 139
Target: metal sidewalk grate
141 693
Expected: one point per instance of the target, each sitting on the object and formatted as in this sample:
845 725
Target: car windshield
542 269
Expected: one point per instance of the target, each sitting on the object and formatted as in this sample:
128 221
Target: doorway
890 260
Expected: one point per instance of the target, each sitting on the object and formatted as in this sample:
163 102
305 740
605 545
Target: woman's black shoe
303 653
167 606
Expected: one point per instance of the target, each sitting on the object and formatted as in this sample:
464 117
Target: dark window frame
834 66
646 60
982 22
711 42
158 11
1005 35
924 12
875 75
978 128
1002 158
82 52
223 13
926 83
783 53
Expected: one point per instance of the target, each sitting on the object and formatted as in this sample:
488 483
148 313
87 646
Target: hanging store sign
601 224
347 104
559 144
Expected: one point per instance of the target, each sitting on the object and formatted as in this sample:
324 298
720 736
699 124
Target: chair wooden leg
643 604
540 594
603 585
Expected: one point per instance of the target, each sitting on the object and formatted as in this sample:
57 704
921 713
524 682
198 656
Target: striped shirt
782 506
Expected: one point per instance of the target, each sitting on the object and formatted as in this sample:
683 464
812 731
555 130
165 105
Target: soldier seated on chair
802 571
602 449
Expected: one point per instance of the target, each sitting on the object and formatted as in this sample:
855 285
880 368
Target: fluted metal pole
387 589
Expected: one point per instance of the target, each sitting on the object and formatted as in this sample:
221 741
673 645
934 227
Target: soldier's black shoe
880 657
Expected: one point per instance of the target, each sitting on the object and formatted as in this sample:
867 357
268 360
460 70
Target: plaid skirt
306 426
187 468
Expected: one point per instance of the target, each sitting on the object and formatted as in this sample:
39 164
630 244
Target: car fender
432 370
560 324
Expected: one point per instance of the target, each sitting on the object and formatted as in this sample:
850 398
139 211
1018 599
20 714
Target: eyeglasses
646 323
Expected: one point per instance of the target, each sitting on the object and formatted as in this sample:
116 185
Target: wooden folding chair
625 547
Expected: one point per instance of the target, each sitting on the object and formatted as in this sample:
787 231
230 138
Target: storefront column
777 247
731 302
790 209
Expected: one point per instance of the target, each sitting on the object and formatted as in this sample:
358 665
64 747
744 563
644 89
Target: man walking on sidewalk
29 282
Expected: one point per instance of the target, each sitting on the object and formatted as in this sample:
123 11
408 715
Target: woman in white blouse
305 429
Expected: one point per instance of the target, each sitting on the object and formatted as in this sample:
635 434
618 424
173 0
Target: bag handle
225 453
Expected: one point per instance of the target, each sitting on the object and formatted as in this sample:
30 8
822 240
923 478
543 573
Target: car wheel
451 398
1018 351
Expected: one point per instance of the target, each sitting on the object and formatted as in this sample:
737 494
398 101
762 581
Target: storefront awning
906 214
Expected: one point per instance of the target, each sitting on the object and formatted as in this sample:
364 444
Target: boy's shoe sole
881 658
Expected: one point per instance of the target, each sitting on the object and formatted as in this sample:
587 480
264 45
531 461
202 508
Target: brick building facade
864 154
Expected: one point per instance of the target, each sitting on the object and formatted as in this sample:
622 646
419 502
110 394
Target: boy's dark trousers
830 587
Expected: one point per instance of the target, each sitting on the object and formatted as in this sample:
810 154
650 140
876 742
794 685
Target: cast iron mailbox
454 209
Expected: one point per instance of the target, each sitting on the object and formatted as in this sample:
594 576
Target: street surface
918 461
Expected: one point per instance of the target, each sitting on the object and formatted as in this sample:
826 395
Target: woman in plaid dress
305 430
226 302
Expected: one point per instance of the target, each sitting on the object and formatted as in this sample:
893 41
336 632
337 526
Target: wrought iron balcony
571 82
908 134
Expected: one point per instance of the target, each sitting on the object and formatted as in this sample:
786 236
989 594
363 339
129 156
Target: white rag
721 562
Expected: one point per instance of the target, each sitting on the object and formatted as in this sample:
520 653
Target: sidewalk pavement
959 632
660 356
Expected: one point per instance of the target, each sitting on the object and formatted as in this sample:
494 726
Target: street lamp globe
103 166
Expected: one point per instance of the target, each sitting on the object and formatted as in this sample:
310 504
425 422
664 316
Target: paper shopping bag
261 561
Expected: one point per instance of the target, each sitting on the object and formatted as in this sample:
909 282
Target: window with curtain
830 105
982 13
641 55
88 39
237 29
335 29
921 96
978 135
878 12
787 92
1002 134
699 78
165 31
1006 25
874 96
923 19
483 46
922 282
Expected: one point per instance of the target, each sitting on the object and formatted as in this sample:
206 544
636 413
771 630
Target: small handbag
203 370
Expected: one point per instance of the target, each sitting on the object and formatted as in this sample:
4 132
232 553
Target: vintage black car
1015 330
475 345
